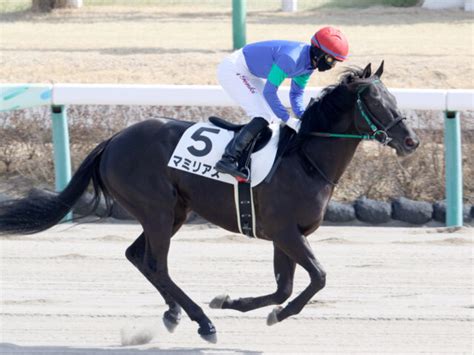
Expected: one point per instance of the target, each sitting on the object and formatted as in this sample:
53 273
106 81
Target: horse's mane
334 100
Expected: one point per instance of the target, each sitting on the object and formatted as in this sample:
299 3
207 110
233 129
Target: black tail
38 212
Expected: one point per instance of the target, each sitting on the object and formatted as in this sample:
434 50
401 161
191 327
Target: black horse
132 168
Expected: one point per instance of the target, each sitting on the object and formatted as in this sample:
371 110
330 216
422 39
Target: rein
317 168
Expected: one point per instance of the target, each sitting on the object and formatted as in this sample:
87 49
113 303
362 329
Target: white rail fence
29 95
58 96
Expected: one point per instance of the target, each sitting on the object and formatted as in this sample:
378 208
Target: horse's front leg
298 249
284 269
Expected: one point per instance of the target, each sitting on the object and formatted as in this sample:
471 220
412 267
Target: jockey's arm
275 77
296 94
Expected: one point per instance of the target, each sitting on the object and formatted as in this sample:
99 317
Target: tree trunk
48 5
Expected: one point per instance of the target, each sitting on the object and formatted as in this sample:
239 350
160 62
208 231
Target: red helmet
332 42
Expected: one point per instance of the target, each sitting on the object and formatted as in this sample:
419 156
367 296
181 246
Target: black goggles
330 60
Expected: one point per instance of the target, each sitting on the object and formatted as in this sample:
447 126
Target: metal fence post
238 23
289 5
62 157
453 169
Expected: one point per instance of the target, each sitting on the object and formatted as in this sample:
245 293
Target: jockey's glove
293 123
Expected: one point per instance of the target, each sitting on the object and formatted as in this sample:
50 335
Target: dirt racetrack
70 290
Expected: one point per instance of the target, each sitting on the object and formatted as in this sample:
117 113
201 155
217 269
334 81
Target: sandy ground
404 290
183 45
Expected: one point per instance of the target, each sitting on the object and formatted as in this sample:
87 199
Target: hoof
210 338
171 320
218 301
208 333
272 317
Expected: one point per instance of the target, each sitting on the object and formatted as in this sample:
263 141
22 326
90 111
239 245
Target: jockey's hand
294 124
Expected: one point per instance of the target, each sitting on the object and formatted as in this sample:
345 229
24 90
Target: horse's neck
335 114
331 155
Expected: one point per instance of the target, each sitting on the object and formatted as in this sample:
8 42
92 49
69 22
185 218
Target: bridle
379 132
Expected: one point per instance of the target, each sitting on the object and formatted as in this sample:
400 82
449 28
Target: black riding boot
229 162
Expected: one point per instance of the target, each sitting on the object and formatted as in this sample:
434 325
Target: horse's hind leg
136 255
284 269
157 238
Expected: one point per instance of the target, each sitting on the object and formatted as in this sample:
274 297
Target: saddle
260 141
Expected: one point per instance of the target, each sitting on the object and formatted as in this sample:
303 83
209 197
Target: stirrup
241 178
232 170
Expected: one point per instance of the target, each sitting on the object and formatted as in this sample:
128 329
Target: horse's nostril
411 143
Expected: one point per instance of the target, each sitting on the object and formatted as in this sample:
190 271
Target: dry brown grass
375 172
184 44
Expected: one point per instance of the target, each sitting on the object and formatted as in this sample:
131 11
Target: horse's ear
379 71
367 71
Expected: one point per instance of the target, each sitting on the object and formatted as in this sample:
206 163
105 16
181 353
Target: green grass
252 5
259 4
14 5
368 3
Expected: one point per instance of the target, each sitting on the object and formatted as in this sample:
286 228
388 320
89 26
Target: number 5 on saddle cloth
203 144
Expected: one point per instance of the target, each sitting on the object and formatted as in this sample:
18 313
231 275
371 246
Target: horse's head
360 105
377 113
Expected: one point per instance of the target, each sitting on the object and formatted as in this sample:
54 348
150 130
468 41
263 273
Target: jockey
243 74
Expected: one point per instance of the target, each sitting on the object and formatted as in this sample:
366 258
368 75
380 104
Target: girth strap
245 209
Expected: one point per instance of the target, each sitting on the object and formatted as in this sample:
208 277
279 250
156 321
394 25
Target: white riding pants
243 87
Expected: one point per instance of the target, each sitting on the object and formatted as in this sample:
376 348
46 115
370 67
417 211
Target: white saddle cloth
203 144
